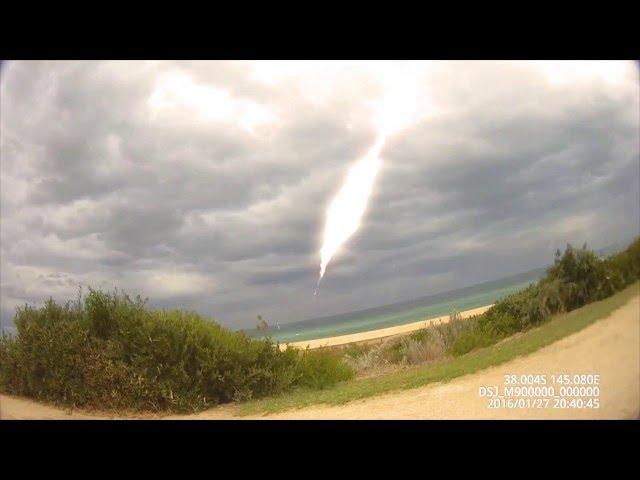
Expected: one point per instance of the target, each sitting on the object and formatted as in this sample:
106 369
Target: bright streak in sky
345 212
395 111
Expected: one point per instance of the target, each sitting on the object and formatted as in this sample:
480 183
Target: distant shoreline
380 332
399 313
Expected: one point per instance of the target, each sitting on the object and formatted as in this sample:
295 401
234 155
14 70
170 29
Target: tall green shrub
577 277
110 351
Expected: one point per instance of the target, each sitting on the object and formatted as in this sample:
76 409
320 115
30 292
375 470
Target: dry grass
429 344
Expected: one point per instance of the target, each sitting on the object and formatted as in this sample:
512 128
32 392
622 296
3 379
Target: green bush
110 351
577 277
469 340
319 368
624 267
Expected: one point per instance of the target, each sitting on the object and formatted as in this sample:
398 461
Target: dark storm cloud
101 187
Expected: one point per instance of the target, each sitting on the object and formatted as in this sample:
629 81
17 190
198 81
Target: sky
204 185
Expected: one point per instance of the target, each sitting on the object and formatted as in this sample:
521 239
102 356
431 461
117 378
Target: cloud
204 185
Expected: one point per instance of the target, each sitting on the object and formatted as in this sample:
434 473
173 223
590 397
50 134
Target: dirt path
609 348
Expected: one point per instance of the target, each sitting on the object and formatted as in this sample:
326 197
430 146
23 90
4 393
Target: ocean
403 312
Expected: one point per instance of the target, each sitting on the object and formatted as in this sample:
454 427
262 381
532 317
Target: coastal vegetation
576 278
447 369
111 352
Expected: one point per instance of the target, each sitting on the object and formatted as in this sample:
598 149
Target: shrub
434 342
415 352
624 267
110 351
469 340
577 277
367 361
319 368
424 345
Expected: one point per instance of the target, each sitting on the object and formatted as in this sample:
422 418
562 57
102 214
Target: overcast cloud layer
204 185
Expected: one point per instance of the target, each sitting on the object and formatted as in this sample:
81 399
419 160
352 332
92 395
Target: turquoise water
402 313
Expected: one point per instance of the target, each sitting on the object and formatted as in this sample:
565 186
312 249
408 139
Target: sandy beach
381 332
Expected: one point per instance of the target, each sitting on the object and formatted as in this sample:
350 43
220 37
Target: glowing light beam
395 111
347 208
